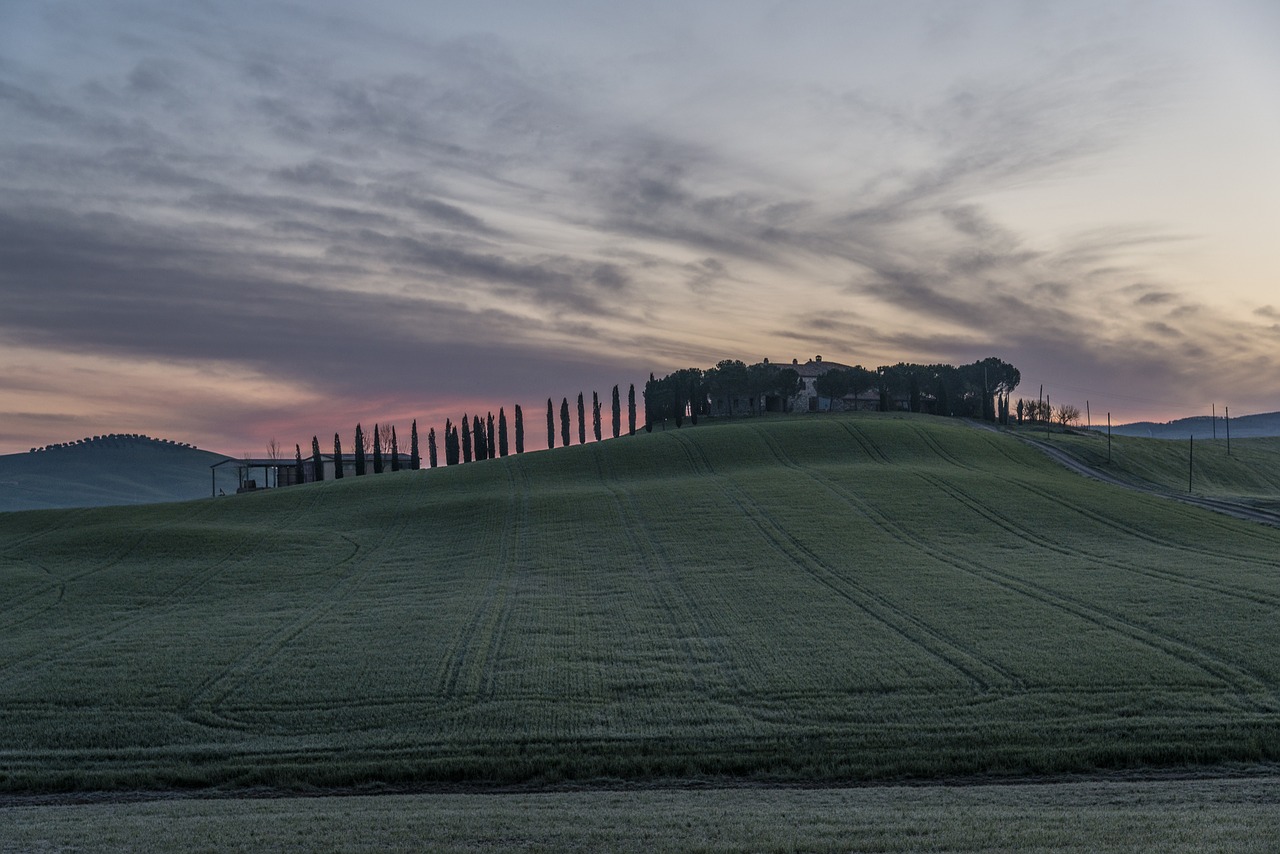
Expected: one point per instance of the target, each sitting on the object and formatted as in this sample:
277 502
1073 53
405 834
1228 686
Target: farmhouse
807 398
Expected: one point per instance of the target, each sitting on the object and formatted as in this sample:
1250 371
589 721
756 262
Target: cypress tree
491 438
582 421
450 443
337 457
595 415
359 451
502 431
617 413
564 421
631 411
477 436
519 430
466 439
431 446
317 462
395 450
299 474
377 451
415 459
551 425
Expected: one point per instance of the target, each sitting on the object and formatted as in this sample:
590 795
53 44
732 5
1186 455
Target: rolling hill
852 597
104 470
1264 424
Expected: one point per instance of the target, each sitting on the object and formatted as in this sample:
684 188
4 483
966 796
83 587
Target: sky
227 222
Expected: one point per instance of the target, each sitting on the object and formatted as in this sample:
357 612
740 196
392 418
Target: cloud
365 197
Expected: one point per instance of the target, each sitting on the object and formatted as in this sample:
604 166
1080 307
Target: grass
1250 473
838 598
1236 815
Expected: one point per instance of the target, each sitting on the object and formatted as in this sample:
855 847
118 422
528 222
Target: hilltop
119 468
805 599
1203 427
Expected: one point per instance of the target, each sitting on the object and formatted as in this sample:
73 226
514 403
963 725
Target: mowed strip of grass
1239 815
824 598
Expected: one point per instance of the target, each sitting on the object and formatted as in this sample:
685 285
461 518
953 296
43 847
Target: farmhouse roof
816 367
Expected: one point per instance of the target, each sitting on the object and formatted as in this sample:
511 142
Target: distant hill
101 470
1203 427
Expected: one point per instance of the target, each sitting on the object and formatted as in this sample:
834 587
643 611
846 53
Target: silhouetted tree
360 449
582 421
519 429
415 458
477 436
377 451
317 462
650 403
490 439
466 439
395 450
631 411
551 424
299 474
564 421
431 447
337 457
451 450
617 413
502 431
595 415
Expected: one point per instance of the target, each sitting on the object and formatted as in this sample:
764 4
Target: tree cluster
977 390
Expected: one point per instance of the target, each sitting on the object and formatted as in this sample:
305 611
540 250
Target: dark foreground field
817 600
1171 817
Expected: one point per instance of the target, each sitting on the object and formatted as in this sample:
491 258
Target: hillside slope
1249 474
107 470
842 597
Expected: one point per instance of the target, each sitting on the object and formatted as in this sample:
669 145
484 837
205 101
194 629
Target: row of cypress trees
472 439
596 428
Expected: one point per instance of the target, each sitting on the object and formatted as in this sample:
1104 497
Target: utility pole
1191 456
1213 418
1227 420
1108 438
1088 418
1048 416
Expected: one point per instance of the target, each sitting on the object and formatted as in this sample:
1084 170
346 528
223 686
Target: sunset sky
226 222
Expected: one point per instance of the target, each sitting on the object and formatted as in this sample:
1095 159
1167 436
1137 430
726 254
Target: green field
839 598
1249 474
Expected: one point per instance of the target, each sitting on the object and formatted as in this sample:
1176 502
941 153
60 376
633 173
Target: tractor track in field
1248 686
493 609
676 601
1217 505
1024 532
205 705
876 607
168 599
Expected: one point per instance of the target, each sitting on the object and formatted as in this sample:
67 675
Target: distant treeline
978 390
112 439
